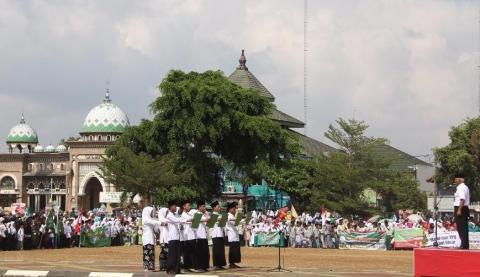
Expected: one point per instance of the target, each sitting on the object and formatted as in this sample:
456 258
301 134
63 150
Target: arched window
109 138
41 186
62 166
51 166
30 185
91 138
7 183
41 166
99 138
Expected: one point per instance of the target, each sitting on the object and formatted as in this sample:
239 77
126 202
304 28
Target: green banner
95 238
408 238
355 240
269 239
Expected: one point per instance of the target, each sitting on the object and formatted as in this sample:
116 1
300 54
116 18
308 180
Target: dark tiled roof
313 147
399 160
246 79
286 120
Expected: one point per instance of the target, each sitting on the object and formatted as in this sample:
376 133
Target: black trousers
462 226
218 250
189 251
234 255
203 254
173 257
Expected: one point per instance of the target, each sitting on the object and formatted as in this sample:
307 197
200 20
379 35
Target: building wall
11 166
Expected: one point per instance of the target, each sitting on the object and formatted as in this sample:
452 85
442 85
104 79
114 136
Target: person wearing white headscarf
148 238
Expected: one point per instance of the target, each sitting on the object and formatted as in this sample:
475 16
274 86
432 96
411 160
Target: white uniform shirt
232 231
462 193
217 232
3 229
148 226
174 222
67 230
188 232
20 234
201 232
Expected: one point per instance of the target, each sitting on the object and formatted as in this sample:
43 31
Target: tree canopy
200 120
339 181
461 156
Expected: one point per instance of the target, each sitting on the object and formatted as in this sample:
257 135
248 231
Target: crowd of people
186 248
45 230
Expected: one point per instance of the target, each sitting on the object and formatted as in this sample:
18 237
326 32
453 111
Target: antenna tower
305 103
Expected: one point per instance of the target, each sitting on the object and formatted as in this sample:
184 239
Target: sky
409 69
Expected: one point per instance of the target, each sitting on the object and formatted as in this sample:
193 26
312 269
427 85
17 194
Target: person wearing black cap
462 212
202 254
218 239
189 244
174 223
234 255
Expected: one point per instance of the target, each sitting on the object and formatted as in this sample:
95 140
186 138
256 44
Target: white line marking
29 273
110 274
186 275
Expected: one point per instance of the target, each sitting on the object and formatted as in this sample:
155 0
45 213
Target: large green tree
339 181
200 122
461 156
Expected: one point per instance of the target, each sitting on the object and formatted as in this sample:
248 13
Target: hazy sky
408 68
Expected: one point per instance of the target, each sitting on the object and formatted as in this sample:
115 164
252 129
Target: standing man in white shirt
462 212
189 244
218 248
173 222
234 255
203 252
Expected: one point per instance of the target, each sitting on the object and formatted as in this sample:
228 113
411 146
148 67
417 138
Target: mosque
66 174
69 174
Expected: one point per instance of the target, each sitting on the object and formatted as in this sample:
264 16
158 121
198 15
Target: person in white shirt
3 236
189 244
203 253
20 236
234 254
162 215
218 239
462 212
148 238
67 230
174 224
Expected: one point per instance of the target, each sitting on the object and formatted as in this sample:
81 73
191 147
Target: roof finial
107 94
242 61
22 119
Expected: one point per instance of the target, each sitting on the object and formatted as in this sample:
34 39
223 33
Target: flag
50 223
294 212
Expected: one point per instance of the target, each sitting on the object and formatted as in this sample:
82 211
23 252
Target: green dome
22 133
106 118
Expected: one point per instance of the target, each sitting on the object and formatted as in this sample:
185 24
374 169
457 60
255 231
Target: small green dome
22 133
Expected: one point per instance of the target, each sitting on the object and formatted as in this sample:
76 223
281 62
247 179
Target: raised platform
445 262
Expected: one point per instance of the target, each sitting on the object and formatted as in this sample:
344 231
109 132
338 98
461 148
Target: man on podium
461 210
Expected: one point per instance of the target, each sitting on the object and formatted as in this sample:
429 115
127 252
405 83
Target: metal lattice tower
305 82
478 54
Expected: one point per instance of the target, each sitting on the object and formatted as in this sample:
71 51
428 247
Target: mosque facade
67 175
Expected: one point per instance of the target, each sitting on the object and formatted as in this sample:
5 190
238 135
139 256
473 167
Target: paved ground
255 261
